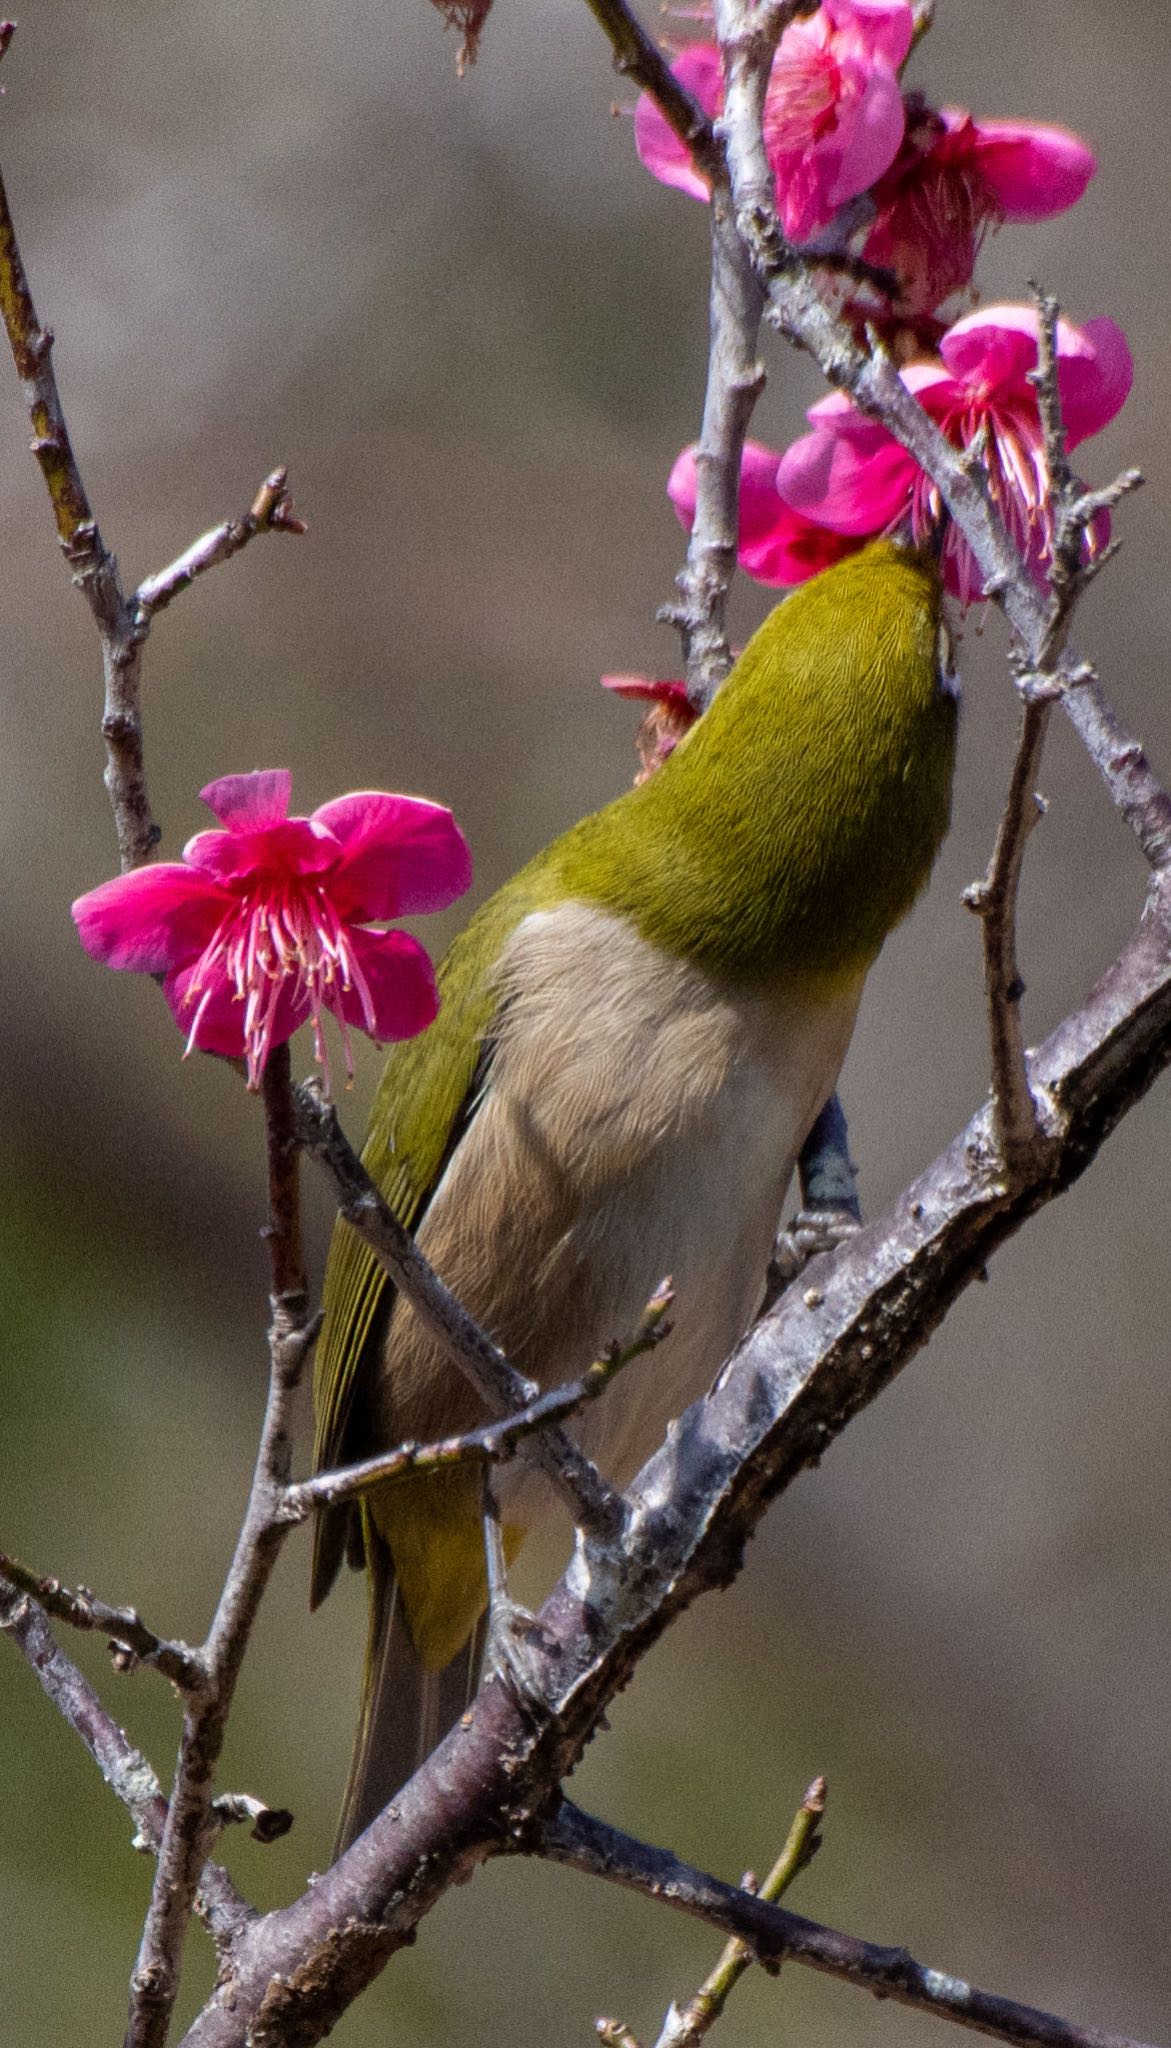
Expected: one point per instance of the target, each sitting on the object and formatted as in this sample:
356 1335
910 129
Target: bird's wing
427 1097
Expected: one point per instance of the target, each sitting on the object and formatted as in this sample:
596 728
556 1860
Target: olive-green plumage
636 1032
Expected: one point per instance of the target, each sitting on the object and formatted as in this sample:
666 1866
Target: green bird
637 1033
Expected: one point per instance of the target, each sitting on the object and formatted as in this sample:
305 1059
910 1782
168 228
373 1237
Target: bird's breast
641 1118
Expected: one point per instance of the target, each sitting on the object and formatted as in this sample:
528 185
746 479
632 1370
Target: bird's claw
509 1655
812 1231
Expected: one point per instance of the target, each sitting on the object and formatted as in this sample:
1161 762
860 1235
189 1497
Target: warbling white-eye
636 1034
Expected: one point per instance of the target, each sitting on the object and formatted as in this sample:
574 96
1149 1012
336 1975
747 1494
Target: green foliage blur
475 331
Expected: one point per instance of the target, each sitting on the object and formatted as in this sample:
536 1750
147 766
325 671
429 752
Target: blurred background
474 329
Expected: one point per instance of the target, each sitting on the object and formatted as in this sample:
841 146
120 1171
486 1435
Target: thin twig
495 1441
271 511
735 375
615 2034
685 2027
638 58
122 621
131 1640
596 1507
776 1935
190 1825
124 1768
1014 1110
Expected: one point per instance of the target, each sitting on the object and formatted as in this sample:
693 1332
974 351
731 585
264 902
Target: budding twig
775 1935
495 1441
131 1640
685 2027
271 511
1016 1124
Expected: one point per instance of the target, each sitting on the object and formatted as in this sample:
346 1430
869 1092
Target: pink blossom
833 116
267 924
850 475
952 181
672 714
777 544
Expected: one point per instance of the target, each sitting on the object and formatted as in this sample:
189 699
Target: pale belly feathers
640 1120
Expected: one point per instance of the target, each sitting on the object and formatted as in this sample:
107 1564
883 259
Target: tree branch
132 1641
686 2026
190 1823
775 1936
495 1441
122 622
994 900
124 1768
271 511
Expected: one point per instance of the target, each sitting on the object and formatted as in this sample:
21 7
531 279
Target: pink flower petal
665 156
400 997
247 803
778 545
1032 168
151 920
870 138
795 549
400 854
852 484
886 26
993 351
292 846
649 690
994 348
1094 385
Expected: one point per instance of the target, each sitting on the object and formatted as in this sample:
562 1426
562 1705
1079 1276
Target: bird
635 1035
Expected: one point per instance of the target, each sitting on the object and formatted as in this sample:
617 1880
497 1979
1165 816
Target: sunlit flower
954 180
833 117
777 545
266 924
851 476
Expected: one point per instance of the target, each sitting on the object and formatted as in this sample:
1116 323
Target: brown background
474 328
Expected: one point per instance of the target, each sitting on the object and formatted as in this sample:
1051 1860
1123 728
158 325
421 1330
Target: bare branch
594 1505
638 58
190 1824
495 1441
124 1768
131 1640
271 511
93 566
775 1935
735 375
1014 1112
122 622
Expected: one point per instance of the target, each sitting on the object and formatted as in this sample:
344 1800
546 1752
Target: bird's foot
510 1654
812 1231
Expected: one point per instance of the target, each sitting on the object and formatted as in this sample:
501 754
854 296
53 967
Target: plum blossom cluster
272 921
868 169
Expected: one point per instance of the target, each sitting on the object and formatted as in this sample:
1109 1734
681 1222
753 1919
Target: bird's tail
406 1709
